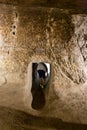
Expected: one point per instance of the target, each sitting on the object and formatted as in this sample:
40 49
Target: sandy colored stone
61 37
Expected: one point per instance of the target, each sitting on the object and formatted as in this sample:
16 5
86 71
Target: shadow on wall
40 82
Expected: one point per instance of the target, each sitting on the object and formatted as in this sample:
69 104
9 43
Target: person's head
42 69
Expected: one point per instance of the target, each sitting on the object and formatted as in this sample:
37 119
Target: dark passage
38 101
39 84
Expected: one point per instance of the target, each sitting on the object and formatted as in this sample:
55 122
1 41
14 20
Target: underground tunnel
40 82
43 65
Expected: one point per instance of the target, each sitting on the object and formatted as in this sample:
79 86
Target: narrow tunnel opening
40 82
13 33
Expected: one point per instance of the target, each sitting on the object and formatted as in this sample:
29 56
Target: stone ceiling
52 3
75 6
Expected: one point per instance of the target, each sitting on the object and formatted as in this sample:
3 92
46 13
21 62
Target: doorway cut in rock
40 82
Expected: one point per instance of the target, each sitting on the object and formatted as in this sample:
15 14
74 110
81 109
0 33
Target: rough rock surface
11 119
44 34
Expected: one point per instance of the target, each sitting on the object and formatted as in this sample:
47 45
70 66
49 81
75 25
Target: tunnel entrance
40 82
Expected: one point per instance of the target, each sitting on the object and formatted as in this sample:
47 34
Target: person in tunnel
42 71
40 79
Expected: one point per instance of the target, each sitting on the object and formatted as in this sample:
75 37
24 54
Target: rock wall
44 34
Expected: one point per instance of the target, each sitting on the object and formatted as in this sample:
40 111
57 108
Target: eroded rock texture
44 34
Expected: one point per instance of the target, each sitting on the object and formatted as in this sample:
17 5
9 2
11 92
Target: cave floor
12 119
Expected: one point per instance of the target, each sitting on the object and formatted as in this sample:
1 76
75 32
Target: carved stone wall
44 34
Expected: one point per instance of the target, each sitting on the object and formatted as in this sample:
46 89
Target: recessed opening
13 33
14 26
40 82
16 15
